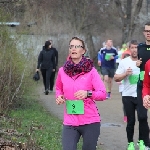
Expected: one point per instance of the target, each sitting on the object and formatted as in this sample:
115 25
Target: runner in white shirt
129 72
127 65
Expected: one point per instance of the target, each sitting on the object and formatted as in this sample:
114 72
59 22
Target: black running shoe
46 92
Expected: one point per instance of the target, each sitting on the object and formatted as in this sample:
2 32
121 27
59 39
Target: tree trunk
90 46
128 19
127 22
135 15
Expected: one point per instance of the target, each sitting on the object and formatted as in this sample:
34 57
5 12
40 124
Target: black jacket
55 54
144 53
46 59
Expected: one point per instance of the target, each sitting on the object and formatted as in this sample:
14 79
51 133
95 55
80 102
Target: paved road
113 133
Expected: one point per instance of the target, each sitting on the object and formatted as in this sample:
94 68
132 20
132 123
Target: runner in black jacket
52 77
46 63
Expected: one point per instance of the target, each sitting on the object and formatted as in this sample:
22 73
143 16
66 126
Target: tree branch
135 15
138 7
119 7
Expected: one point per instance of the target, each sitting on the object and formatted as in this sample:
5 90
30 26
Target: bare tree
82 17
128 13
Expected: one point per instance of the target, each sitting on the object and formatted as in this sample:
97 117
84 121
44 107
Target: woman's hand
146 101
81 94
60 100
37 70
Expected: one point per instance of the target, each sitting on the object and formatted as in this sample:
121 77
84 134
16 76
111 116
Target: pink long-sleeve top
67 86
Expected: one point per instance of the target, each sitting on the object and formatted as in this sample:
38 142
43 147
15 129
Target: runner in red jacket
146 86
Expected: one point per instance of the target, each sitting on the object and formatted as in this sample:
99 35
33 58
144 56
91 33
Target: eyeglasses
147 31
75 46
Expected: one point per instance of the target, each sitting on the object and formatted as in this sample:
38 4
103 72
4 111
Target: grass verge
38 125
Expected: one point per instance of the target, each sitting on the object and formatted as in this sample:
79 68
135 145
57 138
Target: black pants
46 73
130 104
72 134
142 117
124 111
52 78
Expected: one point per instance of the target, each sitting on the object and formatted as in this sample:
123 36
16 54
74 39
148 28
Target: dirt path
113 129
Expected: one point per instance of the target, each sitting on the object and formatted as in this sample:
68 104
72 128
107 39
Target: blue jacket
102 54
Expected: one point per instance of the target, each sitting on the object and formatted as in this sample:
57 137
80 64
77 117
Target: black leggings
72 134
124 111
52 78
46 74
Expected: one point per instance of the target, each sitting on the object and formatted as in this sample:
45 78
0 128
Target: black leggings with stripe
72 134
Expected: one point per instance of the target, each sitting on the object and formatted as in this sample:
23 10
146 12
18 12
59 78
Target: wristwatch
89 93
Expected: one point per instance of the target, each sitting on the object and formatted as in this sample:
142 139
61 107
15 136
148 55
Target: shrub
15 70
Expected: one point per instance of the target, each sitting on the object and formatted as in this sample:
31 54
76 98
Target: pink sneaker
125 119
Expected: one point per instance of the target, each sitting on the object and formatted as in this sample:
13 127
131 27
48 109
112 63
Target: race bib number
75 107
133 79
142 75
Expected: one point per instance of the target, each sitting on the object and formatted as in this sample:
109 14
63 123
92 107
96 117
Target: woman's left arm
53 61
99 90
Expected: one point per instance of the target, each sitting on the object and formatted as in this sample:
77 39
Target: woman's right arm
59 89
59 84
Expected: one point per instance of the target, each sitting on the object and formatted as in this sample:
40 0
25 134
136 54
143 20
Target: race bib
107 56
133 79
142 75
75 107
